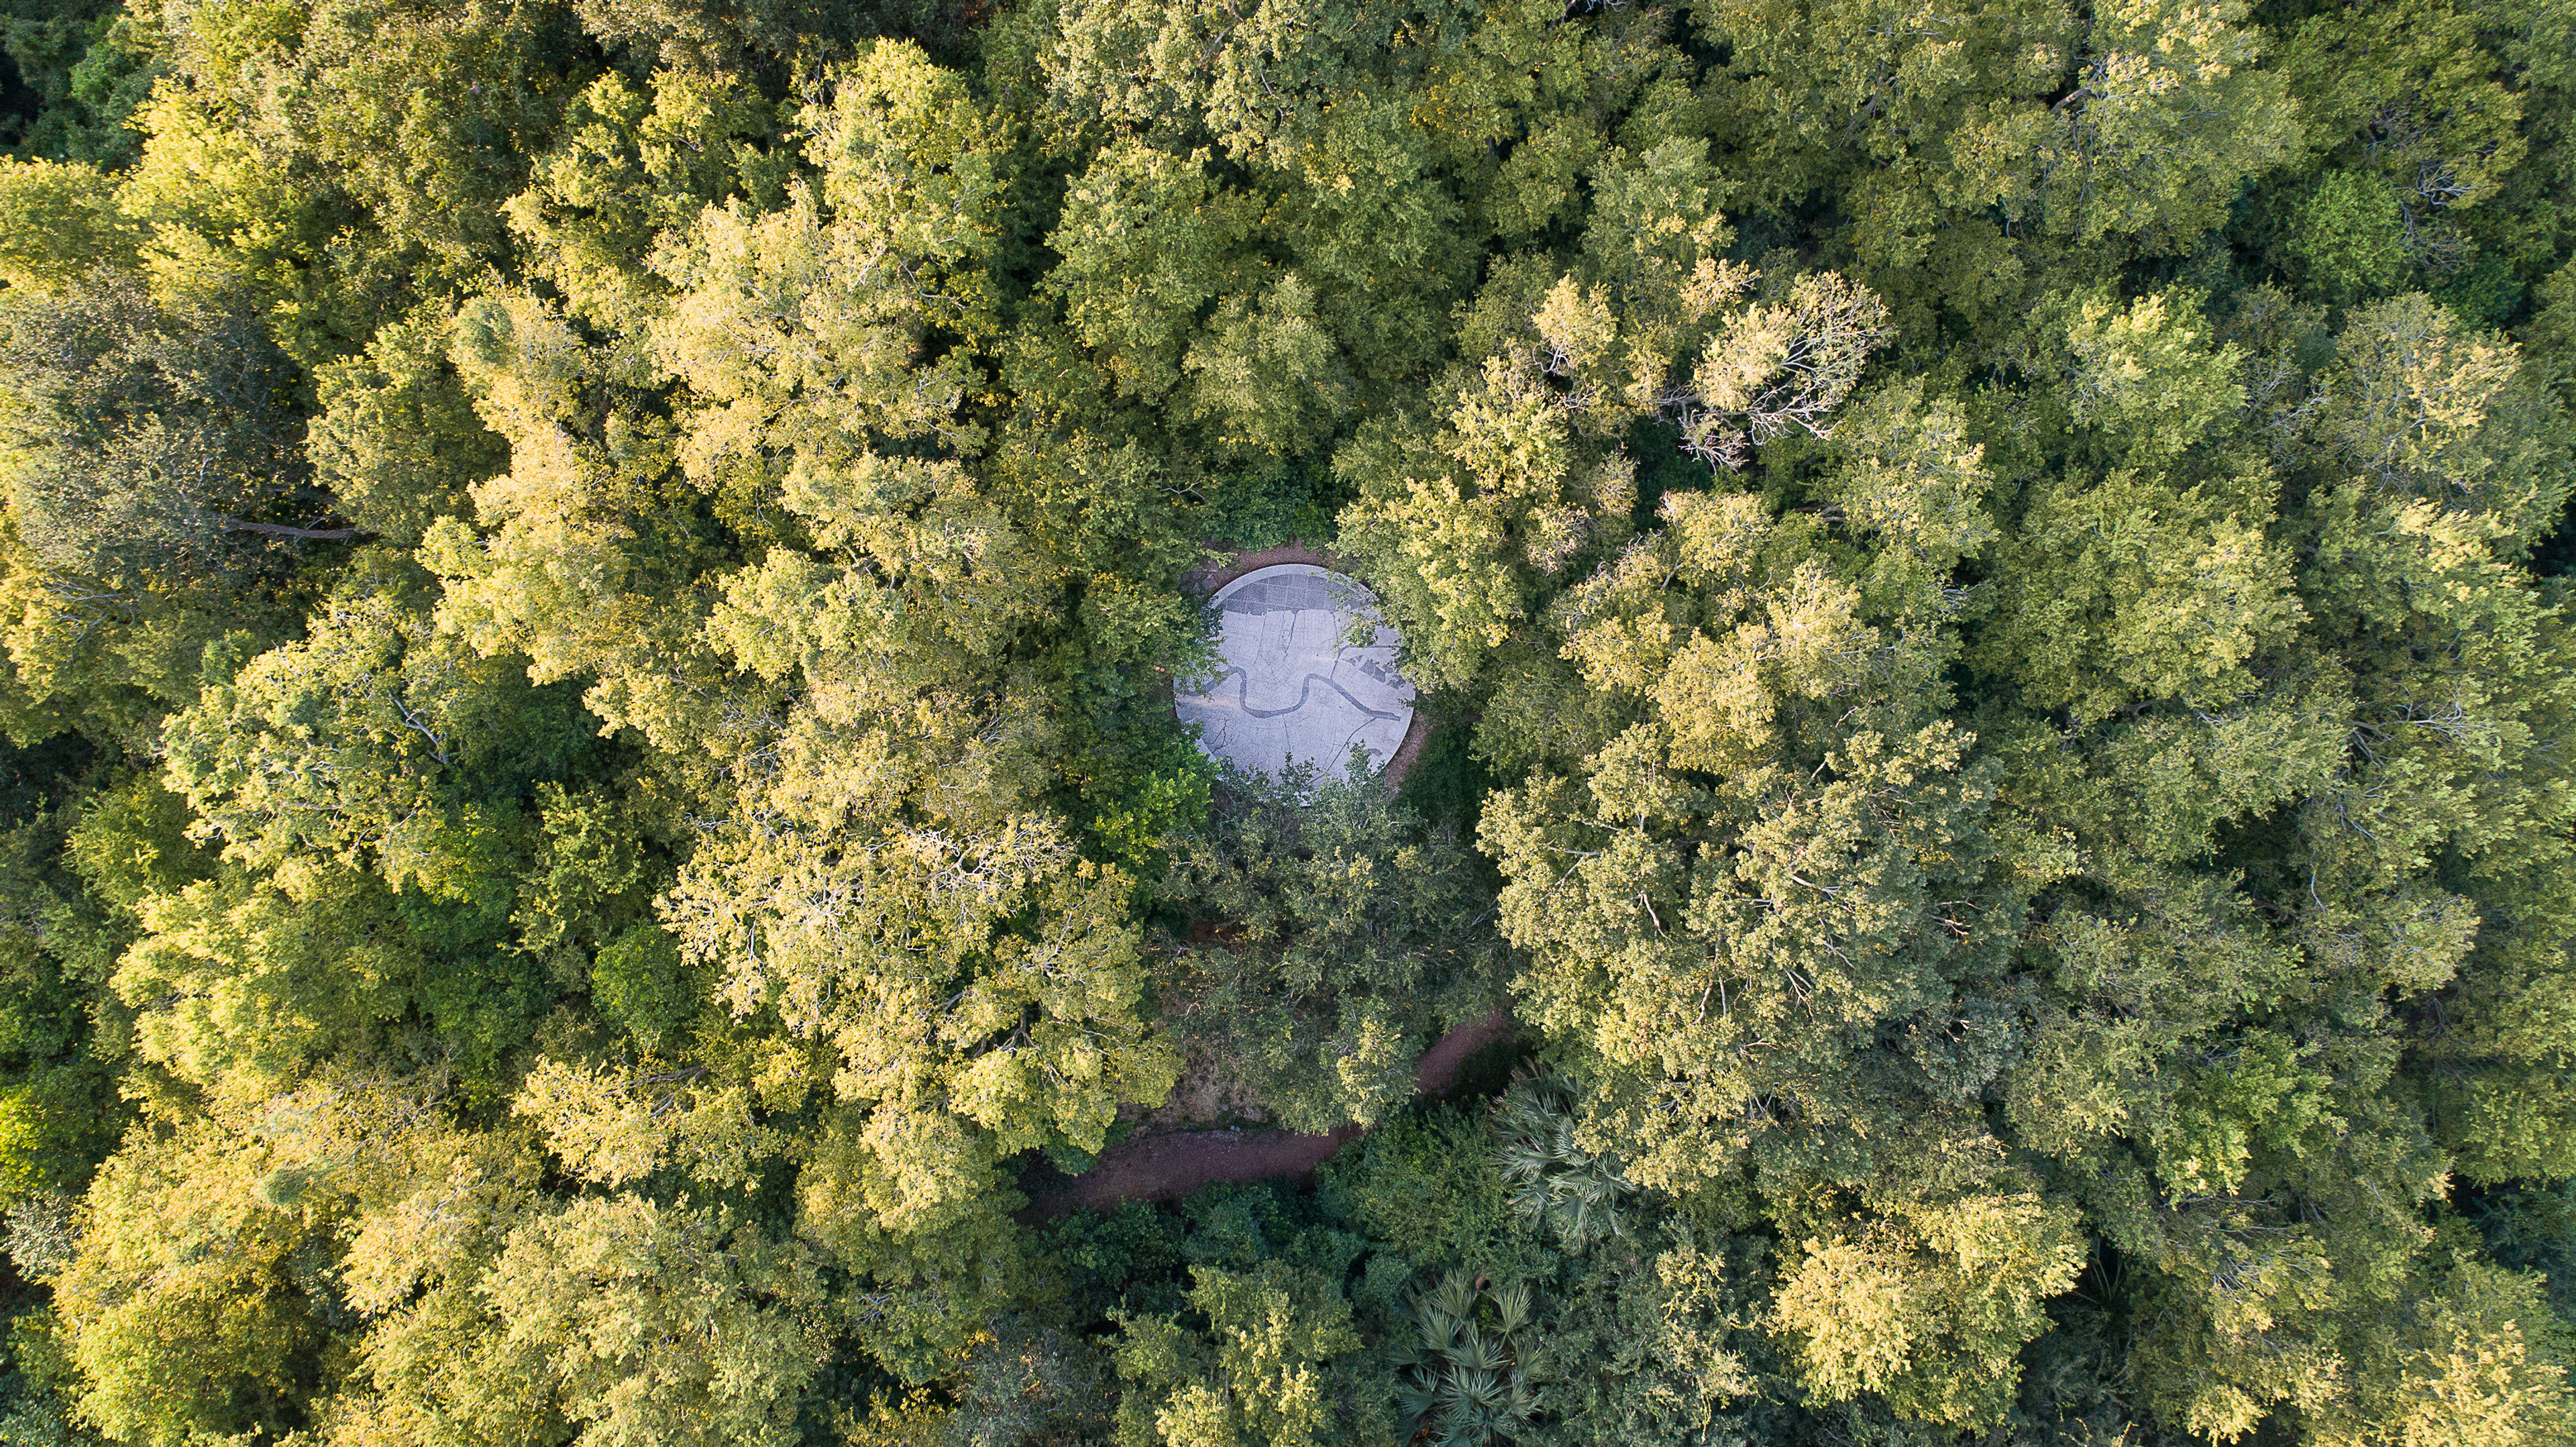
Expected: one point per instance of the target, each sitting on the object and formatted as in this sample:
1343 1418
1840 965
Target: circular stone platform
1287 685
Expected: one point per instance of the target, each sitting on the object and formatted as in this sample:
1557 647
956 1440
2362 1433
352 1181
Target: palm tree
1548 1177
1460 1379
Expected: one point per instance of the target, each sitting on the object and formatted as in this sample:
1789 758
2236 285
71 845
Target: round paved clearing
1287 685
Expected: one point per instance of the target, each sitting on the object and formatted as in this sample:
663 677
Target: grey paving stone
1288 686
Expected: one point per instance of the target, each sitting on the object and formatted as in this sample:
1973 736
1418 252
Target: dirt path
1160 1167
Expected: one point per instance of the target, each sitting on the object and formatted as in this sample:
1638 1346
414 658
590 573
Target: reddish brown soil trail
1160 1167
1438 1066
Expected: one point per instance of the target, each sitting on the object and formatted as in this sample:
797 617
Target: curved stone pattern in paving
1288 686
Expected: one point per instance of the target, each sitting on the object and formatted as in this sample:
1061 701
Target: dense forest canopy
590 592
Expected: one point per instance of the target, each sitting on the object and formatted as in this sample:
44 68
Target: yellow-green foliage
588 600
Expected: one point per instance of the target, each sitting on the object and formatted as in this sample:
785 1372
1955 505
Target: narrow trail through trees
1162 1167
